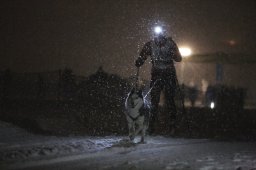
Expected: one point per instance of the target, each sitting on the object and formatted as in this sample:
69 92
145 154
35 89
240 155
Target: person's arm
145 52
176 52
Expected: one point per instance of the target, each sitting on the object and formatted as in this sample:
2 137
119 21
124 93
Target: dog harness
135 118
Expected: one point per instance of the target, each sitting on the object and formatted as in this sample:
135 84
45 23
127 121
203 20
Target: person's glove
139 62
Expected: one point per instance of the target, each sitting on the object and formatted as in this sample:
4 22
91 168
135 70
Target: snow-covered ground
22 150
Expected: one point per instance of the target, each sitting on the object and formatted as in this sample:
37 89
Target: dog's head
132 97
135 94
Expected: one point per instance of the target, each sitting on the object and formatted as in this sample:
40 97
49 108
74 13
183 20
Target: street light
212 105
185 51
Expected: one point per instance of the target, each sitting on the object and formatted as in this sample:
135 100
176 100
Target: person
163 51
192 93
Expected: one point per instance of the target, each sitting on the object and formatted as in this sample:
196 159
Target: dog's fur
136 115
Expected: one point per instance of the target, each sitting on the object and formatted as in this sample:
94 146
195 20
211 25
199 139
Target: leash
151 88
137 79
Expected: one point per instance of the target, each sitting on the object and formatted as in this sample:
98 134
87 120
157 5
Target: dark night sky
84 34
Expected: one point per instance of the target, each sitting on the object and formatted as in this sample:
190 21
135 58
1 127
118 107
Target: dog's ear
133 90
140 93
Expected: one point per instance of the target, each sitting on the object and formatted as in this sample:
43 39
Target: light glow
212 105
185 51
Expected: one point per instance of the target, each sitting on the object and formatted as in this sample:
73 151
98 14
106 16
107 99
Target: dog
136 115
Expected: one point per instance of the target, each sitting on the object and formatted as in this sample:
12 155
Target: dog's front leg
138 130
143 133
131 127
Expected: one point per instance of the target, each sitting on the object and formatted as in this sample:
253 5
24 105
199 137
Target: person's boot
173 131
151 129
172 128
152 121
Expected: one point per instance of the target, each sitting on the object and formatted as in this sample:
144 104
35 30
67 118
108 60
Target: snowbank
22 150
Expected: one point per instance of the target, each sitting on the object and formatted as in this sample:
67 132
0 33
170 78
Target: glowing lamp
212 105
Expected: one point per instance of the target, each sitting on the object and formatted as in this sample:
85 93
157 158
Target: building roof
222 58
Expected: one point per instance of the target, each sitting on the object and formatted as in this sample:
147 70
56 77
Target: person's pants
163 80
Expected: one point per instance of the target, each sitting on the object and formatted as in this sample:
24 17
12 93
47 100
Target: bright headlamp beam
158 30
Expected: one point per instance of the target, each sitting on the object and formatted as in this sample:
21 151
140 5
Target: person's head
159 35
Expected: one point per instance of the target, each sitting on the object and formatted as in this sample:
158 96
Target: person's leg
155 97
170 87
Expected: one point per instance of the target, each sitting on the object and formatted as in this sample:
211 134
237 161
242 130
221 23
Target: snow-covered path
113 152
168 154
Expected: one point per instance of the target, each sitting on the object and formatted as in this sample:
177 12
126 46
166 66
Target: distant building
236 70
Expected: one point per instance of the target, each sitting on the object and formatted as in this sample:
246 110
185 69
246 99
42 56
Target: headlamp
158 30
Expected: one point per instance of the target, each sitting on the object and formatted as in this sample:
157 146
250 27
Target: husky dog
136 115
